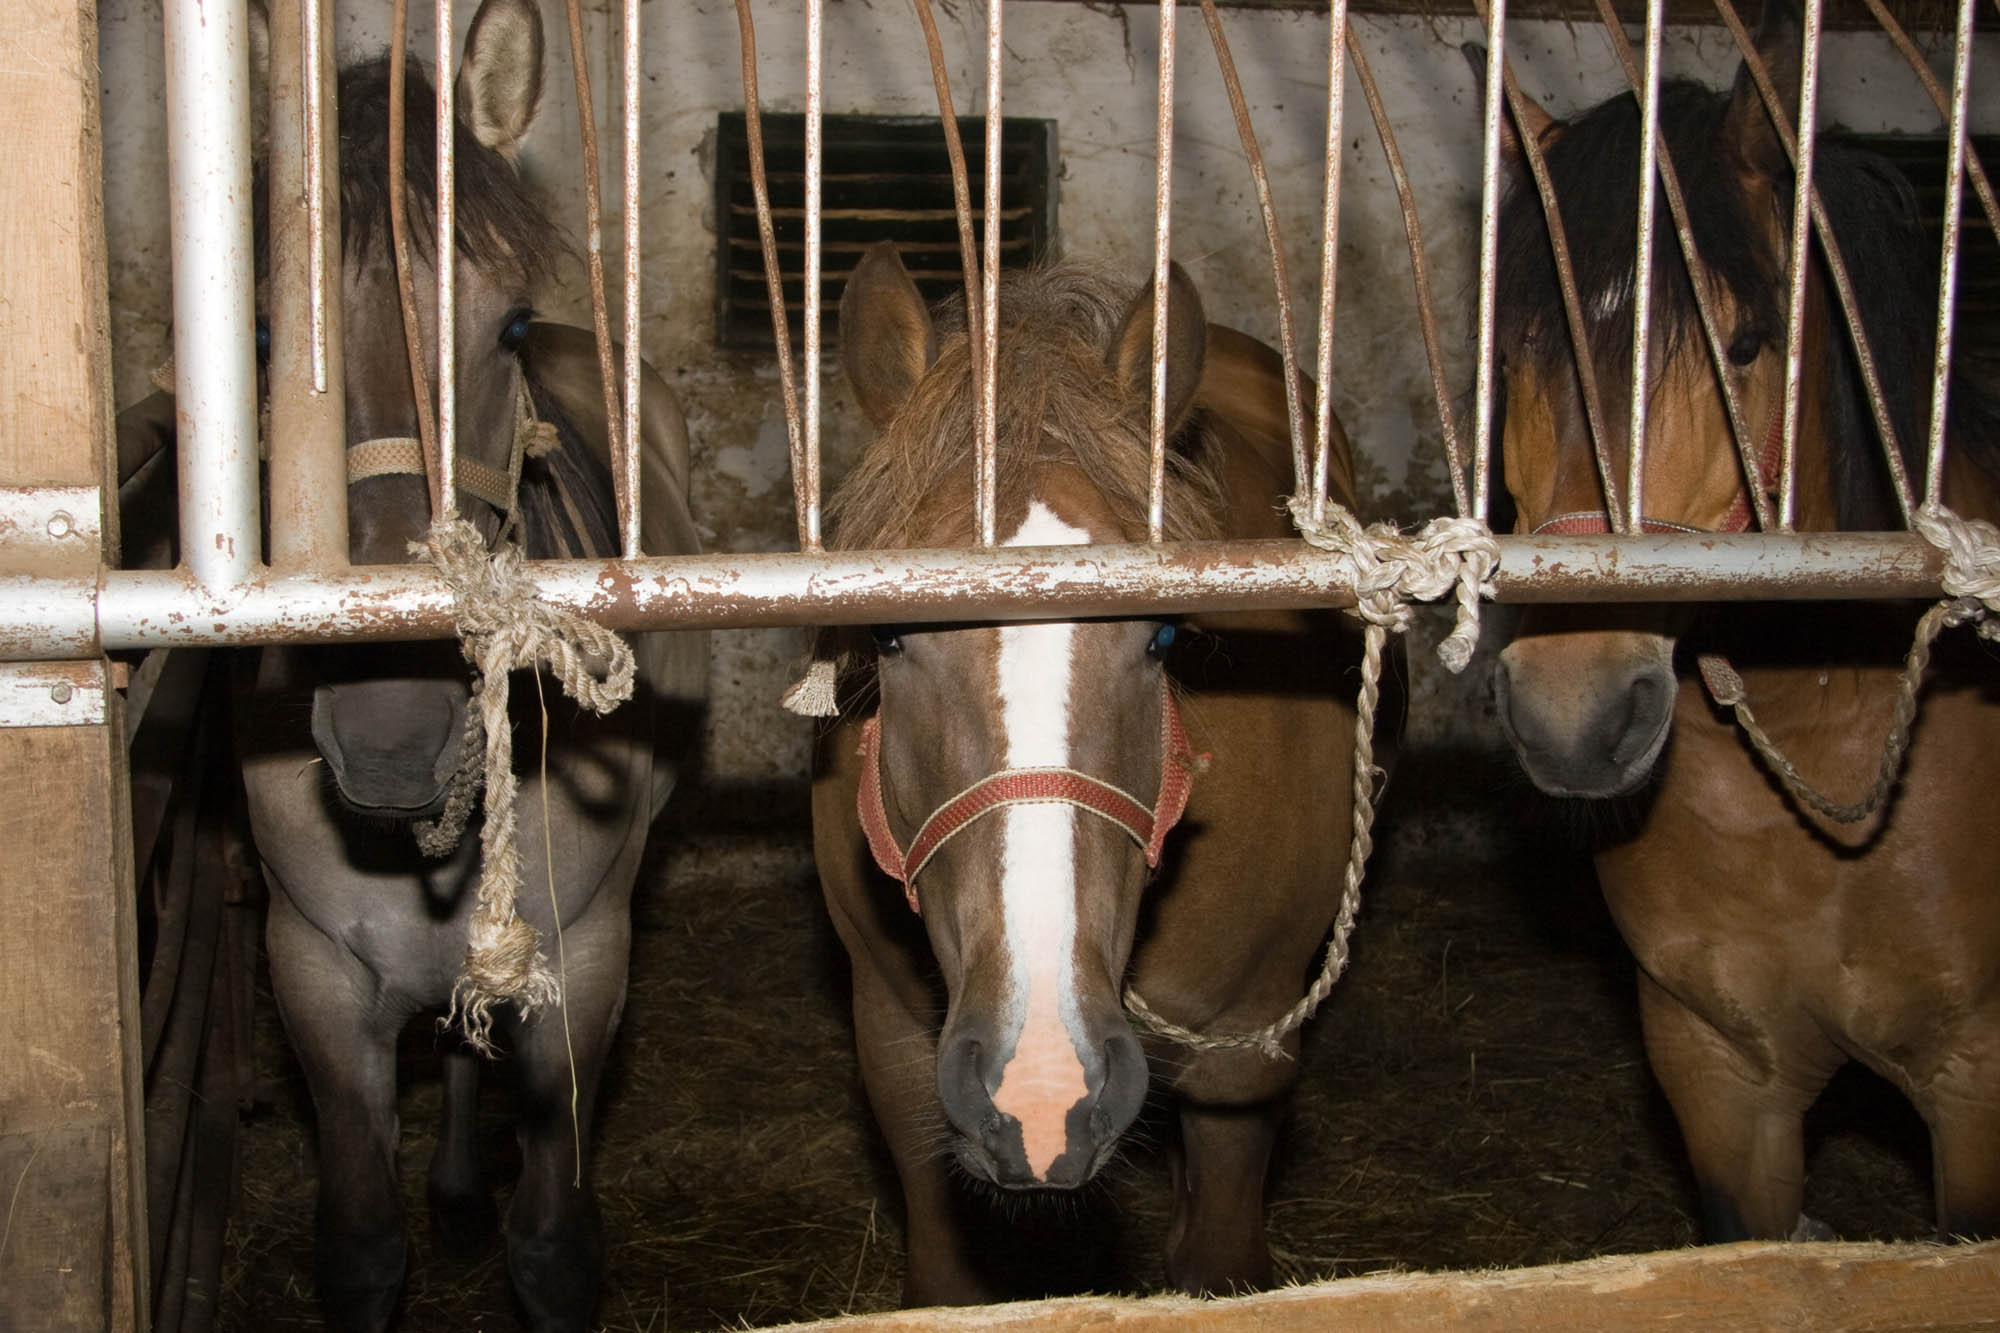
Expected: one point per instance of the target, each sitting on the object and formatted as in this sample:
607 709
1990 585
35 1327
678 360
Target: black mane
1594 166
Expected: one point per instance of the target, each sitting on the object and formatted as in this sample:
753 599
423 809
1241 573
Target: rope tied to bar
502 626
1971 583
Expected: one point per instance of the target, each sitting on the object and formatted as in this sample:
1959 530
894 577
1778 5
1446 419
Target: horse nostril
1646 702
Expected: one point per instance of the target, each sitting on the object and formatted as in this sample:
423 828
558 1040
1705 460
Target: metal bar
987 482
593 223
1954 207
1288 350
1801 263
52 619
399 233
1642 267
815 146
1747 446
215 368
628 437
1329 248
445 252
1489 250
1420 276
961 185
1163 202
308 426
1843 286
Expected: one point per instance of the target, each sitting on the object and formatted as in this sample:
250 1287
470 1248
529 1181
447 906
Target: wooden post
72 1240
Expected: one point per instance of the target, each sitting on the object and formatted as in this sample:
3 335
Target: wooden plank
69 1003
1823 1287
53 1239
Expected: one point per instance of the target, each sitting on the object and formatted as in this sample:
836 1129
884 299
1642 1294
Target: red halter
1022 786
1736 520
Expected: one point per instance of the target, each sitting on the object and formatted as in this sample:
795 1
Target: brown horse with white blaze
1773 944
1023 781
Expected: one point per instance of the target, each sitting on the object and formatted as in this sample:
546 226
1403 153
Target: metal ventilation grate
1976 324
885 178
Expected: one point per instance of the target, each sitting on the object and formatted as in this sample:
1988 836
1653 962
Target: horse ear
1536 122
1747 124
1130 354
887 340
500 78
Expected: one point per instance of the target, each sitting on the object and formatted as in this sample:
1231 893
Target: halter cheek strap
1736 520
403 455
1025 786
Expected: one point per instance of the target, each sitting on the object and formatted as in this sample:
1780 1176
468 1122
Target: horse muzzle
1588 715
392 745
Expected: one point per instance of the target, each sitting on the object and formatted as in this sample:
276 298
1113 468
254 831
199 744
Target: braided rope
1971 583
502 627
1448 556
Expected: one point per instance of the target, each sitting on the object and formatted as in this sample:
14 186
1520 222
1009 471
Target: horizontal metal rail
44 619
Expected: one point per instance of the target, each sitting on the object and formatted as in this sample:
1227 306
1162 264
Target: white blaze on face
1044 1079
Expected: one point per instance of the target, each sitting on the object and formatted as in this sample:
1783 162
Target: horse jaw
1588 712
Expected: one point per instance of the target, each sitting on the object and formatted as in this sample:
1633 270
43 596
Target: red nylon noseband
1736 520
1024 786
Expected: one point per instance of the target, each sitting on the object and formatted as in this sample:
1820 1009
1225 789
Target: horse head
389 720
1023 775
1587 695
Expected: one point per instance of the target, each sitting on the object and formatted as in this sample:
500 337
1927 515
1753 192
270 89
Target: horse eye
263 339
515 331
887 641
1743 349
1163 639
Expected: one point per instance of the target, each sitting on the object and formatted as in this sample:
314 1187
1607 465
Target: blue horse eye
263 338
1163 639
516 330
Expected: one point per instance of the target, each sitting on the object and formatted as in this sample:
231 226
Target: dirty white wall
1093 71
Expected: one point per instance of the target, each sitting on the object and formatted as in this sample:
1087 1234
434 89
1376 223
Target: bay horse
1773 945
344 749
992 1039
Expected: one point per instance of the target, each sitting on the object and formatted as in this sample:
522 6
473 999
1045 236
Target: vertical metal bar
985 502
445 248
815 147
1981 186
1163 207
215 369
593 221
805 479
1288 348
1801 263
628 437
1642 267
961 185
1329 249
1489 249
1954 208
307 442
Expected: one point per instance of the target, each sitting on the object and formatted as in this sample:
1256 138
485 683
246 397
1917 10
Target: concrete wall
1093 70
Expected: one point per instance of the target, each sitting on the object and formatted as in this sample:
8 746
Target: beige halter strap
403 455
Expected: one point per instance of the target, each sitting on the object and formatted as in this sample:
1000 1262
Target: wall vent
886 178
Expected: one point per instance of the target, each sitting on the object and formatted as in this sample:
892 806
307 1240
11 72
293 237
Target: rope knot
1391 570
1971 578
502 627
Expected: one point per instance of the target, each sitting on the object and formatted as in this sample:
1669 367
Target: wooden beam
1753 1285
73 1240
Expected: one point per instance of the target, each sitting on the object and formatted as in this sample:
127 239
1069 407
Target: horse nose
1035 1128
392 745
1597 740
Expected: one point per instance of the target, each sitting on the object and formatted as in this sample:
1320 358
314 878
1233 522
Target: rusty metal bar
1981 186
593 223
1288 349
987 482
47 619
399 239
445 253
1489 249
215 369
1864 355
308 427
1801 263
1329 249
961 186
1163 200
815 146
1642 267
1954 208
628 438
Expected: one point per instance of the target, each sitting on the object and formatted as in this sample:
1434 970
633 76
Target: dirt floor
1474 1095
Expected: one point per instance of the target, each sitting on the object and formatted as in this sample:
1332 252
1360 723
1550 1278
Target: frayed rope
502 626
1390 571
